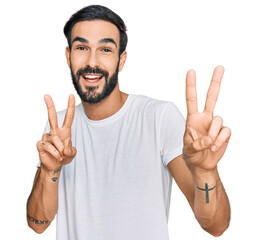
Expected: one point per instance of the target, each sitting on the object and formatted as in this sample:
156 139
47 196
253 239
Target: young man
107 169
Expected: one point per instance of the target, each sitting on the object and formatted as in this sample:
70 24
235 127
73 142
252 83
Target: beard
91 95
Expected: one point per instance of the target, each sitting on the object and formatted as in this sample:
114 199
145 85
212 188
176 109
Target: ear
123 58
67 53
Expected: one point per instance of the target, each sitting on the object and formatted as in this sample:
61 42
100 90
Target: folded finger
215 127
49 148
222 138
55 140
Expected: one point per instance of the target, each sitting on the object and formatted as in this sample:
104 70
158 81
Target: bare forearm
43 202
211 204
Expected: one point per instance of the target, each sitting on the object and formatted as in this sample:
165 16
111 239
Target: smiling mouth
92 78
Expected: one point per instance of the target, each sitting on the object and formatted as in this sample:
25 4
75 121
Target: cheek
77 61
110 65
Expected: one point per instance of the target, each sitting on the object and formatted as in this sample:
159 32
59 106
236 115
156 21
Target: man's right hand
55 148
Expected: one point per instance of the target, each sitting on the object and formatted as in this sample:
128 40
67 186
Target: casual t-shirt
118 186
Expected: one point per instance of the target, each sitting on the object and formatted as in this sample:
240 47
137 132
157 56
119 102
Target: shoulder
143 101
155 106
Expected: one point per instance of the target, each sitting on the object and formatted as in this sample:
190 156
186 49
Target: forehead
95 30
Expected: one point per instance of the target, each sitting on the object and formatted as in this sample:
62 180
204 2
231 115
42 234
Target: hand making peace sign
205 139
55 148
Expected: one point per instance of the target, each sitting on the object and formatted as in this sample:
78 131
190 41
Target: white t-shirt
118 186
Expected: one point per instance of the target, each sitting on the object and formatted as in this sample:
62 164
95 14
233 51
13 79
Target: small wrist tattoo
54 179
206 190
57 170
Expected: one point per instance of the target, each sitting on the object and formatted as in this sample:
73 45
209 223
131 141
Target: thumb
200 144
70 151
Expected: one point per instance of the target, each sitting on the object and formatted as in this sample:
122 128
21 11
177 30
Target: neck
107 107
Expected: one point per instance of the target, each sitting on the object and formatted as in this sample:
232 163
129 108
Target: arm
43 201
211 205
55 150
213 216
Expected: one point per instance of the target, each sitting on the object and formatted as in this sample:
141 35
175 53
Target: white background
166 38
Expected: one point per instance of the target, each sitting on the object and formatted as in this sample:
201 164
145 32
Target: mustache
88 69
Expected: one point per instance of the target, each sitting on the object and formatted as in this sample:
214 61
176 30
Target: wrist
51 174
196 170
204 176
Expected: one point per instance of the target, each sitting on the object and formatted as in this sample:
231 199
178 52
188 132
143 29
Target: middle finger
213 91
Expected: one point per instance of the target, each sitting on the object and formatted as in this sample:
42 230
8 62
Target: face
94 59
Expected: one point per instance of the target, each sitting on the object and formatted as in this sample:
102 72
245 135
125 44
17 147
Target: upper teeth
92 76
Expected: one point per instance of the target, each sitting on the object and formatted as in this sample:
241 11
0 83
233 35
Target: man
107 169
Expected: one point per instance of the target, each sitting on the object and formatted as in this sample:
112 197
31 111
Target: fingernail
213 148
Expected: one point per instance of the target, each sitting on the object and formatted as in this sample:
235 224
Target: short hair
94 12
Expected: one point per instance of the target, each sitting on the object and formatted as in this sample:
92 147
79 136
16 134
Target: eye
106 50
81 48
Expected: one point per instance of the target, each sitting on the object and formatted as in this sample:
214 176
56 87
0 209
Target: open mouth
92 78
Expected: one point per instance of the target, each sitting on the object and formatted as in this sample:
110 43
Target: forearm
211 204
42 204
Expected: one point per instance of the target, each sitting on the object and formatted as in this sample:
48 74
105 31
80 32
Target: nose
93 60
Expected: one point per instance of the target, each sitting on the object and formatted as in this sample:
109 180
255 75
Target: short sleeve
171 133
46 130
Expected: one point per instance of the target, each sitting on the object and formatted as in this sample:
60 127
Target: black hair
95 12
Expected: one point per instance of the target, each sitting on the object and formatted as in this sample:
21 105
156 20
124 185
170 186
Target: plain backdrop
166 39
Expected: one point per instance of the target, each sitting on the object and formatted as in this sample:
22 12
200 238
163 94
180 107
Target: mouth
92 78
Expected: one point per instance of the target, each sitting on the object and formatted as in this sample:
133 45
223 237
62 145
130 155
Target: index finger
191 95
70 112
214 88
52 116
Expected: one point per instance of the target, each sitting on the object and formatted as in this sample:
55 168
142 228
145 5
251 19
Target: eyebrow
107 40
104 40
79 39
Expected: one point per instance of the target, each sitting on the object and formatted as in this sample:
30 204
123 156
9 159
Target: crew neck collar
113 117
